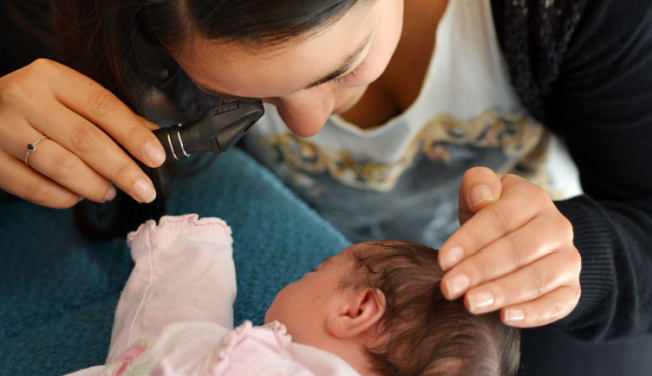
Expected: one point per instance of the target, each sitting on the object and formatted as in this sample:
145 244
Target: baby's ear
358 312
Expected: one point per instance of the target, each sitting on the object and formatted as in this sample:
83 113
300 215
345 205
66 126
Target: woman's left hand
513 252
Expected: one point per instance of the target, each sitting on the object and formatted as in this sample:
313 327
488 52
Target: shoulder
534 13
544 41
612 27
550 27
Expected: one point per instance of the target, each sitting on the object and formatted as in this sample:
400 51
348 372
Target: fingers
81 120
504 256
99 106
547 309
29 185
512 211
480 187
524 285
51 160
65 168
515 254
88 145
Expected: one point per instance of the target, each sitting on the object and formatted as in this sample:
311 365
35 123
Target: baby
375 308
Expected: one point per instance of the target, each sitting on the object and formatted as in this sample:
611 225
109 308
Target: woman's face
307 79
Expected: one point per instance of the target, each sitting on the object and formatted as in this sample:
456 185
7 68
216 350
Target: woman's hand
78 159
513 252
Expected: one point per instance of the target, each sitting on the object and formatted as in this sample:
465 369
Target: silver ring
32 147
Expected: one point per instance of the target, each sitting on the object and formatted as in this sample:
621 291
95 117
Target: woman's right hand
78 159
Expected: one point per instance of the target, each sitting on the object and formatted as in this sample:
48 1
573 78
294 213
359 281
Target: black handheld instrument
216 130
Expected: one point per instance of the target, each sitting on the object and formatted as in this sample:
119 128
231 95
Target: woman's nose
305 112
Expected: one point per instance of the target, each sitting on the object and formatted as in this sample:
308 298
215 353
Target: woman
422 90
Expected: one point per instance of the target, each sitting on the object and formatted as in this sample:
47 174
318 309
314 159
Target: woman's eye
347 78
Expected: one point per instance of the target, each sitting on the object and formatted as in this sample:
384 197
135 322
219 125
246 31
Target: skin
513 252
78 160
305 303
514 248
317 311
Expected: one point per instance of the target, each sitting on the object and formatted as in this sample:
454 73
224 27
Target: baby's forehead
370 248
364 250
397 251
355 251
349 255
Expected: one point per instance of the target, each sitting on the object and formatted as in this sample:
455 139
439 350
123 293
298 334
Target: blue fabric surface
59 290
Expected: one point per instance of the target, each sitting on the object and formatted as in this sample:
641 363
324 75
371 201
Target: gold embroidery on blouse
492 129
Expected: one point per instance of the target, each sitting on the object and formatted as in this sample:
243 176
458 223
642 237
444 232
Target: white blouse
400 180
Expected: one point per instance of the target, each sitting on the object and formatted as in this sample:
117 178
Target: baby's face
302 306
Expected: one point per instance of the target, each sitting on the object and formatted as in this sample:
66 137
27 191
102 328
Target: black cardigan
584 67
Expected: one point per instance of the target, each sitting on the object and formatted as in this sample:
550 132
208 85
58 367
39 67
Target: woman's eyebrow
346 65
348 62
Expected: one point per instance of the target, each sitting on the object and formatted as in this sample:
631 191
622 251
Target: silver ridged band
181 142
171 146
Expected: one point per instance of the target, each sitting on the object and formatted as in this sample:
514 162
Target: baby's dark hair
421 332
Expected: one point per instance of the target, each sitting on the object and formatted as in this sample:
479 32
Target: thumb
479 188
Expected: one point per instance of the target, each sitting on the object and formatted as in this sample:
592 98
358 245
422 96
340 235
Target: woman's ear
358 312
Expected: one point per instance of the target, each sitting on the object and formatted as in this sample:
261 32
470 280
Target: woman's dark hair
126 46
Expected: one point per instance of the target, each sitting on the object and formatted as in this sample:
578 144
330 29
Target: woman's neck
400 84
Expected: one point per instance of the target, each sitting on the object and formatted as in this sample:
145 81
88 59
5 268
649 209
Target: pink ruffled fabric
183 272
249 350
170 226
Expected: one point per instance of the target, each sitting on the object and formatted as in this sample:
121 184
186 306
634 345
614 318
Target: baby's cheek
279 306
271 313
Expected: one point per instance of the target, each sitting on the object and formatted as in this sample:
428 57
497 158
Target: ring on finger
31 147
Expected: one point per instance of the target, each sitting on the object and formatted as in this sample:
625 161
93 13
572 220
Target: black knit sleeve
601 106
598 98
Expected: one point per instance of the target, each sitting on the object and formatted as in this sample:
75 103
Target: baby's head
378 305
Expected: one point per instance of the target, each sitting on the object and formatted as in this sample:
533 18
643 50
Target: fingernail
481 194
110 194
451 257
155 153
479 301
144 190
514 315
456 285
